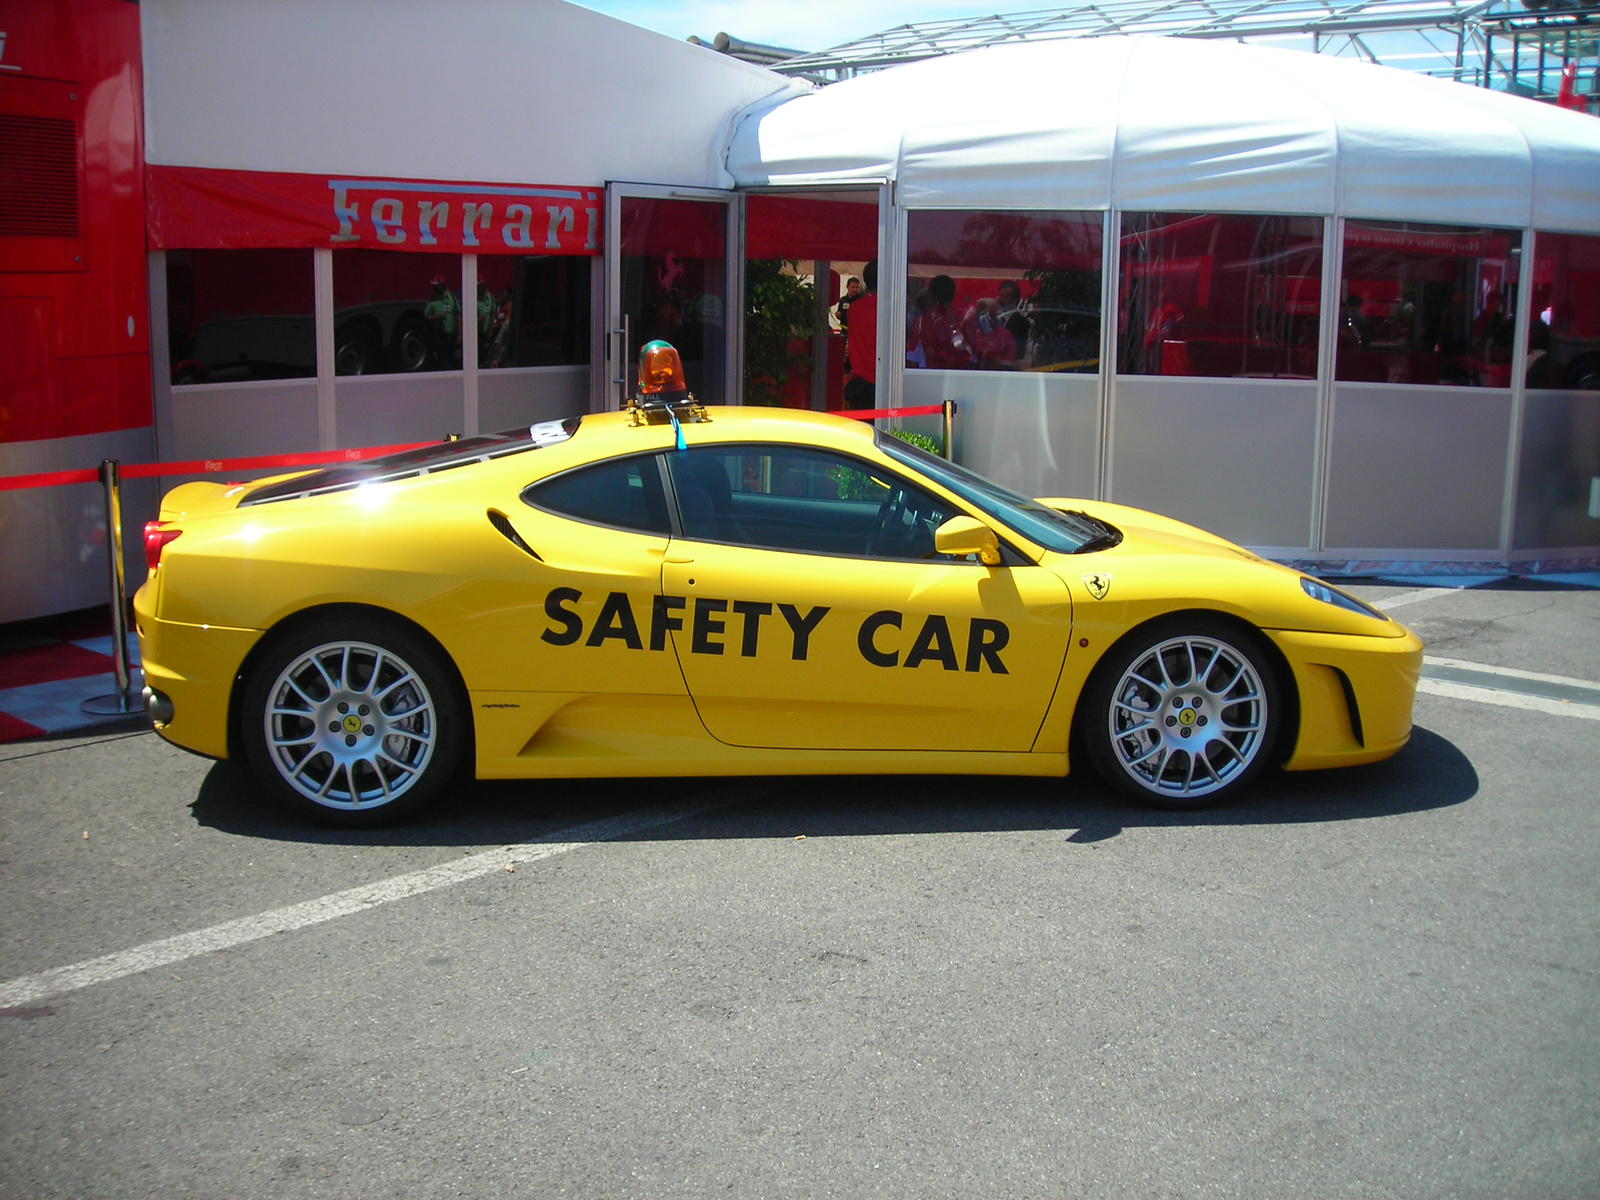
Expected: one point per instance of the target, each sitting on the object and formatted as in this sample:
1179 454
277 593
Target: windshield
1066 533
422 461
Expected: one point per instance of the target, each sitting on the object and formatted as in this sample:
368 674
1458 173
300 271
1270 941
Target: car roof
572 442
730 423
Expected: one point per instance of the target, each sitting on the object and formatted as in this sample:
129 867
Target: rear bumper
194 666
1355 695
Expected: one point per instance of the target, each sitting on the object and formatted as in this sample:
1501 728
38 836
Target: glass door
669 276
806 254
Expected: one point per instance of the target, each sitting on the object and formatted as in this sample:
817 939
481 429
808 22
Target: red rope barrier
213 466
47 479
207 466
876 414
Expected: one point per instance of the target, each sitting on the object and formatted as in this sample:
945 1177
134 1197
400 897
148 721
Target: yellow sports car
676 590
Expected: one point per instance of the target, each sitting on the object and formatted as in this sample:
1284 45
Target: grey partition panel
1233 456
381 410
1414 468
53 539
523 395
1558 479
242 420
1035 432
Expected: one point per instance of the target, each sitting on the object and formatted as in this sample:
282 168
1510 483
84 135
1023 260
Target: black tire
404 722
1203 744
411 345
1583 373
357 350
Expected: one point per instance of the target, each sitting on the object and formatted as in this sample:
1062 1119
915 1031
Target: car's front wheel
351 724
1185 715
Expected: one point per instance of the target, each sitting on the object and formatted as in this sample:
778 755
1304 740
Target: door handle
677 558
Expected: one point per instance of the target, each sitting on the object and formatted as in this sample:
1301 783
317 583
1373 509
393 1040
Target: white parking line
1405 598
1543 704
1510 672
29 989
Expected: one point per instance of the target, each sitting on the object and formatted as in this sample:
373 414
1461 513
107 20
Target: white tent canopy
482 90
1160 124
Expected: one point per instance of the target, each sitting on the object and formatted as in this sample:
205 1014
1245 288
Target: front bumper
194 667
1355 695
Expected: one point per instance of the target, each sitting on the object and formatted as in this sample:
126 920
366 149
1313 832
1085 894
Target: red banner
1445 244
196 208
805 228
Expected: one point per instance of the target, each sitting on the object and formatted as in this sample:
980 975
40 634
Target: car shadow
1430 773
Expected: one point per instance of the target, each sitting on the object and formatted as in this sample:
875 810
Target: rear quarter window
623 493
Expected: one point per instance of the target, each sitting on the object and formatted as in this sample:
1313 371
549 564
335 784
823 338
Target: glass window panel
803 500
1564 335
533 311
1003 291
1219 295
396 313
625 493
674 285
240 314
1427 304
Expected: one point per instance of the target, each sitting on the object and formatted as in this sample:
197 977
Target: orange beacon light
661 372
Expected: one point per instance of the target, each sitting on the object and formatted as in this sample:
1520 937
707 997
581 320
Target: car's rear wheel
1184 715
353 725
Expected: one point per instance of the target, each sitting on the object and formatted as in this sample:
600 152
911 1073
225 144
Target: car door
579 618
809 610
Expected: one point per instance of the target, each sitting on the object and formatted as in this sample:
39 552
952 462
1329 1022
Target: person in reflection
920 301
500 332
987 338
1013 317
1352 318
937 330
1492 331
442 312
485 320
862 347
1538 364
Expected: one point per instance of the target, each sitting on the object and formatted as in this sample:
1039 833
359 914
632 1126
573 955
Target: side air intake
503 523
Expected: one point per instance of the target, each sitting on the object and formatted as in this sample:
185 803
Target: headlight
1318 590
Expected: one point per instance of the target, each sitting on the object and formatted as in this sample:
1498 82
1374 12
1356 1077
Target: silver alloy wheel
350 725
1188 716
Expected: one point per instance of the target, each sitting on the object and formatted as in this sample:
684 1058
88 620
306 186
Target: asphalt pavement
1375 982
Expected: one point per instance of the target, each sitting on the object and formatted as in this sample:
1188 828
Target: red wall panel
85 293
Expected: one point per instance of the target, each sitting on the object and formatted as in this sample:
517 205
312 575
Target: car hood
1161 562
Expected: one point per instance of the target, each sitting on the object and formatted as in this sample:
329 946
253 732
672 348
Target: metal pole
119 703
949 430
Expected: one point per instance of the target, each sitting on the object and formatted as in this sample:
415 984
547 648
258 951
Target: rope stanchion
120 702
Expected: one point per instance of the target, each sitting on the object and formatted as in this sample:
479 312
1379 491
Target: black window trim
1010 556
673 525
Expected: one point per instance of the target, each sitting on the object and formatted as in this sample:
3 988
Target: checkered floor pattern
48 668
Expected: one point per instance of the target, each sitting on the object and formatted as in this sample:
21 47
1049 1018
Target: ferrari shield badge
1098 583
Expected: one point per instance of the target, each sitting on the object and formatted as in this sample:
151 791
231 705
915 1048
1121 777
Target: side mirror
968 535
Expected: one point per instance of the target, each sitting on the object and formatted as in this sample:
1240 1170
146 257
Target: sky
797 24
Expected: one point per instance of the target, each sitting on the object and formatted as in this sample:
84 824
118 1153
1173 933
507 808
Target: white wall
529 91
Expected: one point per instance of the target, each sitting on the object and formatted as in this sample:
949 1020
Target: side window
791 498
623 492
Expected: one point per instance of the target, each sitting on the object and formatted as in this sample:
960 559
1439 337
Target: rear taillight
155 539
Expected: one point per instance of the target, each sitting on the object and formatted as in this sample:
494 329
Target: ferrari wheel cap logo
1098 584
352 724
